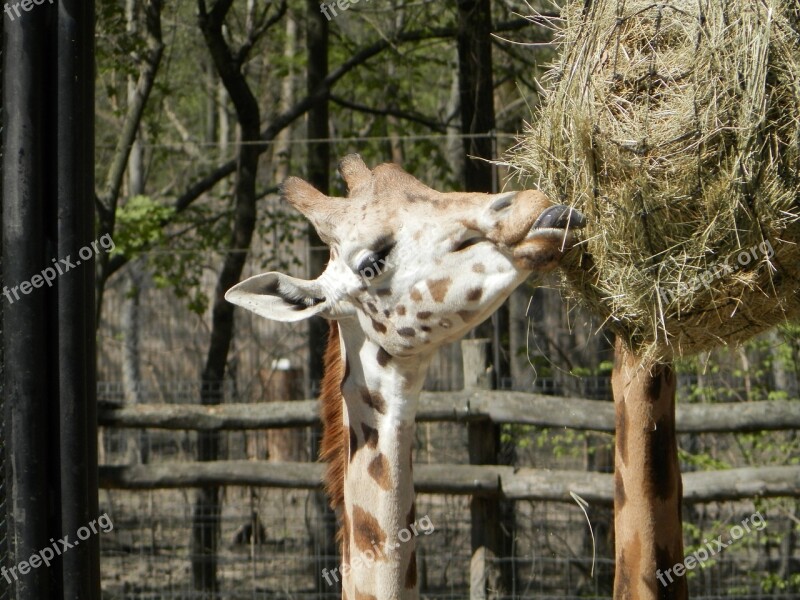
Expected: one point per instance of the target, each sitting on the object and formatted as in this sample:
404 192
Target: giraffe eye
375 263
467 241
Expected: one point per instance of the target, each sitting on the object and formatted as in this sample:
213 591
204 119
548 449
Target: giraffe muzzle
550 237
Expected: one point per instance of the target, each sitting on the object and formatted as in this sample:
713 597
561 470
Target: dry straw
674 126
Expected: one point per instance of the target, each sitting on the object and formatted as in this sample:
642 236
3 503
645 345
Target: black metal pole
75 324
50 431
27 388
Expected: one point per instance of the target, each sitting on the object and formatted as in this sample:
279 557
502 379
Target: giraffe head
410 269
414 267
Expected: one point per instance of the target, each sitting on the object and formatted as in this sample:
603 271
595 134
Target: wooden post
489 577
281 382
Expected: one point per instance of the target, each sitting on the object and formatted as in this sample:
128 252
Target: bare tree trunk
282 155
136 446
229 66
223 119
137 450
108 199
476 94
455 146
321 521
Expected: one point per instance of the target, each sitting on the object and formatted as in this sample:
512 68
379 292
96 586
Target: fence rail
479 480
498 407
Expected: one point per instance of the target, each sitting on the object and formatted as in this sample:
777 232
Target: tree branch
133 118
279 123
390 112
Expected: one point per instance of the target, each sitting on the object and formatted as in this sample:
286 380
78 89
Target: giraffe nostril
502 202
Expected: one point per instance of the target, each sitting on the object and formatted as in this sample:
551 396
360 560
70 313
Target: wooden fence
472 407
490 485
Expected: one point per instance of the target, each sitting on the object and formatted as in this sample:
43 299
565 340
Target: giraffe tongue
560 217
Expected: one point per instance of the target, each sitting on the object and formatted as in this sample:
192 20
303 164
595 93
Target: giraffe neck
647 479
378 398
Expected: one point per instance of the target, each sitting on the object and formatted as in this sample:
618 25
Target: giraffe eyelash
377 261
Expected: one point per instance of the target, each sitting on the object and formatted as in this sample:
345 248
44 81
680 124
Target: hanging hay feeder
675 128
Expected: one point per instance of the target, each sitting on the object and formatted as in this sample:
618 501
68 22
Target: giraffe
647 480
410 269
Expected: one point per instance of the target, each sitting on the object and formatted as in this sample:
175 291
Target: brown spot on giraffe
407 332
619 492
401 310
383 357
478 268
383 292
371 307
378 469
370 435
366 530
377 326
656 383
622 582
426 328
439 287
424 315
374 400
665 560
467 315
415 295
474 294
661 447
621 428
411 571
386 312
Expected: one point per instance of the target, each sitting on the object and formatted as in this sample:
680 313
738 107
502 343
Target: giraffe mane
334 438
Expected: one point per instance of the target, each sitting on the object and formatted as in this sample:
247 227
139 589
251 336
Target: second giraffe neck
380 395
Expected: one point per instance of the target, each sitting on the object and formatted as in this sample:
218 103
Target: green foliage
192 249
562 443
283 227
139 225
773 583
702 461
738 375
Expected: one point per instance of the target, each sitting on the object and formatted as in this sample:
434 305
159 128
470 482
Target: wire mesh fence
269 540
267 543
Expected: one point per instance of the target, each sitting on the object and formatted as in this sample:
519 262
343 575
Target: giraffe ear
279 297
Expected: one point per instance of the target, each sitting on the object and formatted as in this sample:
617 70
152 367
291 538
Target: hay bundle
675 128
